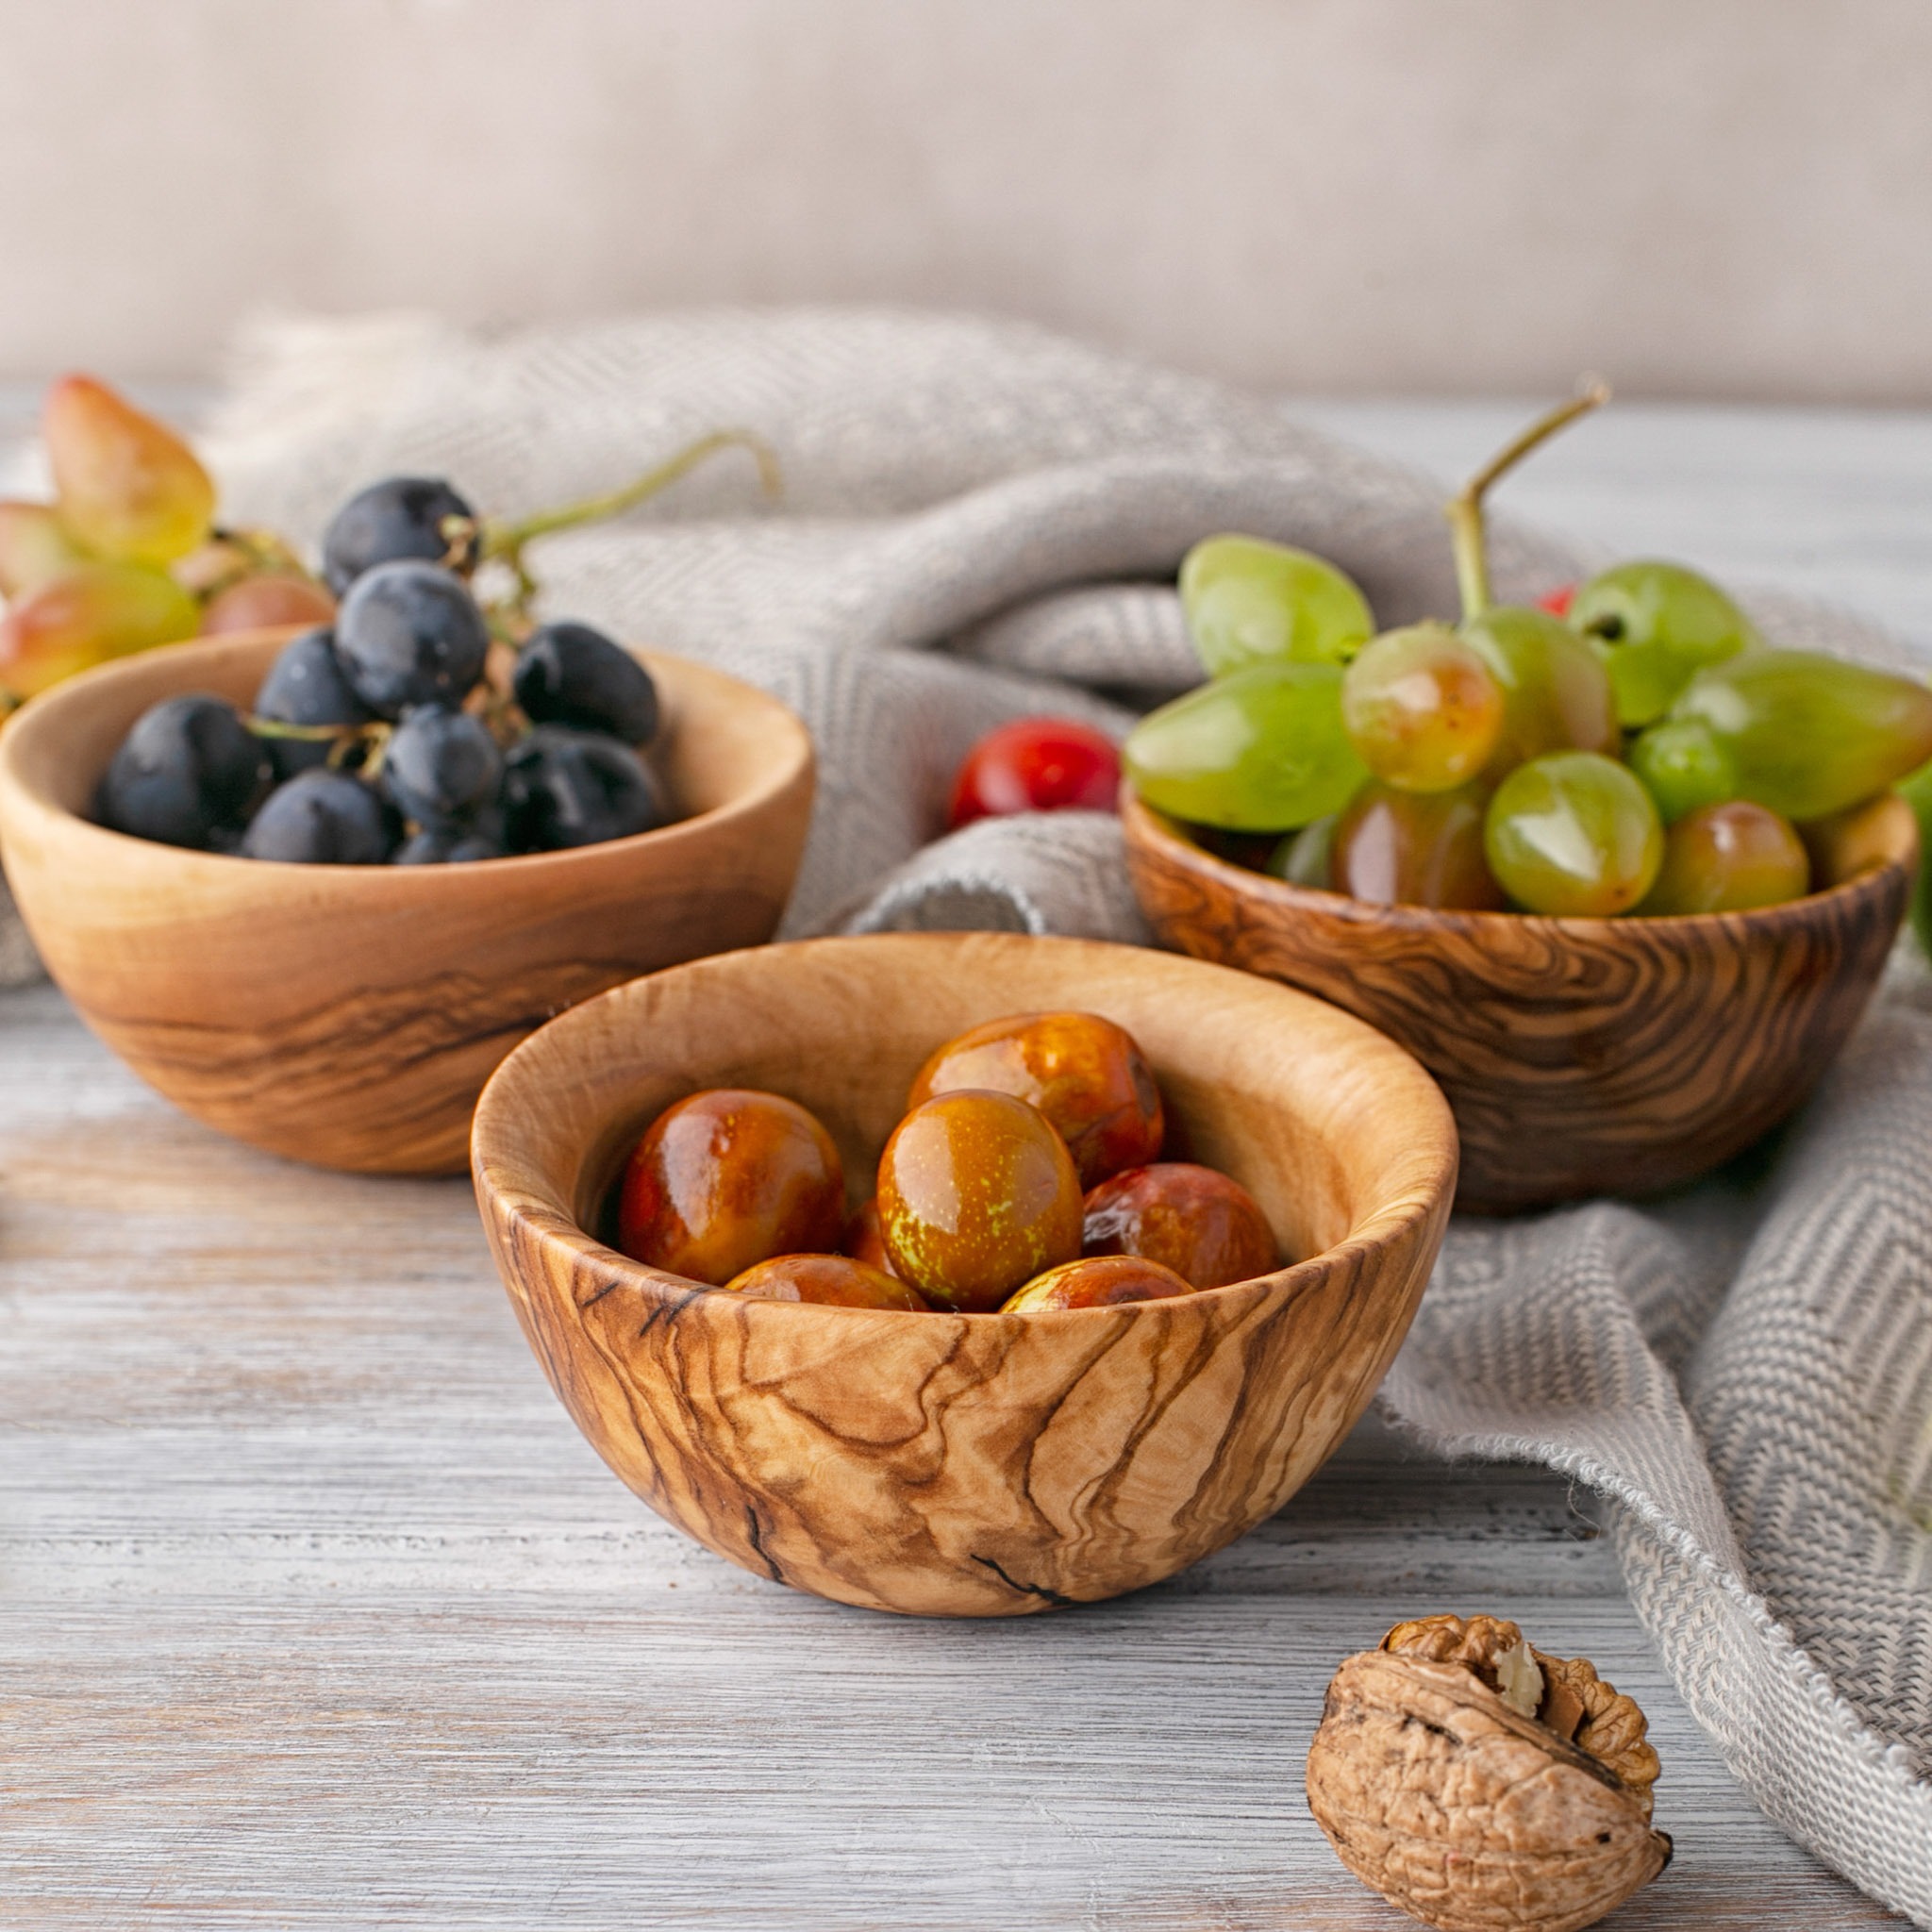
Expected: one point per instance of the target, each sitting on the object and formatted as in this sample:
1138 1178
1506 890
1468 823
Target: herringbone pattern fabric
981 521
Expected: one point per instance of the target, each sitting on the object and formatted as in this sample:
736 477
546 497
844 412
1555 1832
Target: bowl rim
1432 1158
792 754
1148 827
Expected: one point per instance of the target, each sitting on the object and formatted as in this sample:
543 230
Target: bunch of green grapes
1631 745
128 556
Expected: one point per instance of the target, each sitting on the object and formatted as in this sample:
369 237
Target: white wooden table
316 1611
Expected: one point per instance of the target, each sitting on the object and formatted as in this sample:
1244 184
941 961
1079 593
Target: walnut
1482 1786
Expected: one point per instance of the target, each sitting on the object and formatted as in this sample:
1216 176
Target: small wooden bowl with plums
941 1460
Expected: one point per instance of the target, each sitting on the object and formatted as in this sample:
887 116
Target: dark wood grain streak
1580 1055
350 1015
975 1465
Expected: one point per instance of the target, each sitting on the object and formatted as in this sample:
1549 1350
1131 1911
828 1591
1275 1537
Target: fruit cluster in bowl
385 738
1024 1175
1631 745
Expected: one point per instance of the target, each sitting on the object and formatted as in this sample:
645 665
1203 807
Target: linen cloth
982 520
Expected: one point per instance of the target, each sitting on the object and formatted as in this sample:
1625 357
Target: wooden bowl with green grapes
1619 874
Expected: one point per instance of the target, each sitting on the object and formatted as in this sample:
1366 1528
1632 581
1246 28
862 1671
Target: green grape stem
340 739
504 542
1465 510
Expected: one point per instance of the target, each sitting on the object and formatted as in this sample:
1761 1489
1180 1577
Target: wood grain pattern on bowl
975 1465
1580 1055
349 1015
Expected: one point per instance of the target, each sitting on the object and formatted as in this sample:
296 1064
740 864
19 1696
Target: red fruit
1204 1226
1558 602
261 602
99 612
727 1178
1036 764
129 487
35 547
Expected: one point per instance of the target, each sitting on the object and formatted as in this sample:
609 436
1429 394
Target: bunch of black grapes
373 741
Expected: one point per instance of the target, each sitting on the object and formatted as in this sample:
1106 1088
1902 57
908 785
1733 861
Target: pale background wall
1727 198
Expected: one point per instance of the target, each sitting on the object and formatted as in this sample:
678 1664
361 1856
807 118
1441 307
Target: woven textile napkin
983 521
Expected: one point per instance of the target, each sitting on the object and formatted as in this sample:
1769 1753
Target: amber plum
977 1193
1098 1281
728 1178
1208 1228
1083 1072
833 1280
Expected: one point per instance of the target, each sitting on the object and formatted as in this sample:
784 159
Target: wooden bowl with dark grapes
349 1015
1581 1056
950 1463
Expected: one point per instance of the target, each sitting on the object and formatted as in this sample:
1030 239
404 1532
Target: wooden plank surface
316 1611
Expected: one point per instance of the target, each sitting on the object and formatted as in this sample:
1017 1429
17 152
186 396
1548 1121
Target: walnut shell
1472 1815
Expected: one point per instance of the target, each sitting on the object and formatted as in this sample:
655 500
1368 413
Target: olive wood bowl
1580 1055
349 1015
951 1464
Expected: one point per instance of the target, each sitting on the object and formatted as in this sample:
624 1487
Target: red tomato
1558 602
1036 764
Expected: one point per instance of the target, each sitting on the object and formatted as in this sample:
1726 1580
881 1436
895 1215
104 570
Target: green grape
1683 766
1260 750
1807 734
1303 857
1574 834
35 547
1555 692
1729 858
129 487
1423 709
1250 602
1656 626
98 612
1917 792
1416 848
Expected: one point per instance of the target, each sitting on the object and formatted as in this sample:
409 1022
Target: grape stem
1465 510
504 542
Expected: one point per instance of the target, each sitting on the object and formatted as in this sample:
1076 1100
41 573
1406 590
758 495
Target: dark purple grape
411 634
321 818
306 685
568 673
567 788
187 774
442 765
400 517
446 846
